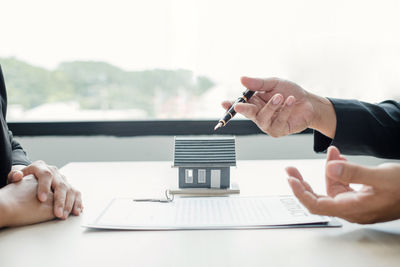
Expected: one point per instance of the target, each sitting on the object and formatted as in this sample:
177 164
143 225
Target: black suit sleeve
11 152
18 154
364 129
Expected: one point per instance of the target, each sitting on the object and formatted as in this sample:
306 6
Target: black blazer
11 152
364 129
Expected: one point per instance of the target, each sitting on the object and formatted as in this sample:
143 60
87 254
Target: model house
204 162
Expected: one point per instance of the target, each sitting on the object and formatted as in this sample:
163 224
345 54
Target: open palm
377 201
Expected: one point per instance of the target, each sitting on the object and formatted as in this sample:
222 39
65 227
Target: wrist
324 119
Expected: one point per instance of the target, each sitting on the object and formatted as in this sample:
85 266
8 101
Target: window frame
134 128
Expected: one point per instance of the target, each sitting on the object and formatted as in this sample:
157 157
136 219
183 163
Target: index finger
320 205
257 84
44 177
227 104
248 110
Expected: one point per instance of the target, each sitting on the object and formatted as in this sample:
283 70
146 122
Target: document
233 212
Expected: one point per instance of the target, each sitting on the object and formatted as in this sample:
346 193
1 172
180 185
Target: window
201 178
100 60
189 176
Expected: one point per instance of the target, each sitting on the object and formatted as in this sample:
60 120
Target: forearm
367 129
356 127
324 120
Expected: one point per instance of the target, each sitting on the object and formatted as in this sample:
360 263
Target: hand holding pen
231 110
280 107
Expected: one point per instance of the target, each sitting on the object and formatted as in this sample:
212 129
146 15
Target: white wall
61 150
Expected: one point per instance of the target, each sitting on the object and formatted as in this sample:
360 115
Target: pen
231 111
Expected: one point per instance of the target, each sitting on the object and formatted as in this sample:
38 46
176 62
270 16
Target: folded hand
20 205
66 198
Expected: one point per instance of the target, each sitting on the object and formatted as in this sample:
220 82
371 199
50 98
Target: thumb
15 176
351 173
333 154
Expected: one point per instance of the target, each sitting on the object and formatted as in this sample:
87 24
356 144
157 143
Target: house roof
204 152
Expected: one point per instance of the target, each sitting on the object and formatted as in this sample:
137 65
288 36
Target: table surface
67 243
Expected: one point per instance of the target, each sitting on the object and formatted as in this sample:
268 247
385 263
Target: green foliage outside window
98 85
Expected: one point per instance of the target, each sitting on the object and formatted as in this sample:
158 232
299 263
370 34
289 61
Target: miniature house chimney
204 162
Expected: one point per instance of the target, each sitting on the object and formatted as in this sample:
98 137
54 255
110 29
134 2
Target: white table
66 243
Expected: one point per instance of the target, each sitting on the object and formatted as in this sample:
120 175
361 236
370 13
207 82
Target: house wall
225 177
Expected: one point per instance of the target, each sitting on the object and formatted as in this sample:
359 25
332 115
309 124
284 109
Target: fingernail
290 101
78 210
43 196
336 169
276 100
65 214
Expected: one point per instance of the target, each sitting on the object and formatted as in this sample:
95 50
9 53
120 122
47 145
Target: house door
215 179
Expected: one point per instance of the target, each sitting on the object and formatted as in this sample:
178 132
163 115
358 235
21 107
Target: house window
189 176
201 178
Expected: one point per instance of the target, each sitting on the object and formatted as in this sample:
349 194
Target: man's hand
66 198
377 201
20 206
281 107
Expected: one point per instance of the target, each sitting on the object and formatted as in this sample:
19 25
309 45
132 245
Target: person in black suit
30 192
281 107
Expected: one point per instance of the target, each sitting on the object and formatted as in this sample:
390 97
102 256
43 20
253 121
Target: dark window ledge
133 128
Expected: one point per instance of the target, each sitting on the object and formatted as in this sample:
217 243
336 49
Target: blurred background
178 59
103 60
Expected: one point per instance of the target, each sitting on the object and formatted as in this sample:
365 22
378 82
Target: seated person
281 107
30 192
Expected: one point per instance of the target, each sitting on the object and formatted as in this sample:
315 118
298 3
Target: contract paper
208 213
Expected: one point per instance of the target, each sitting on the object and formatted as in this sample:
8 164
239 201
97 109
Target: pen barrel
247 95
227 117
231 111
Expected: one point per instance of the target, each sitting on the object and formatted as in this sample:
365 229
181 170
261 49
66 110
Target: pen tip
217 126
